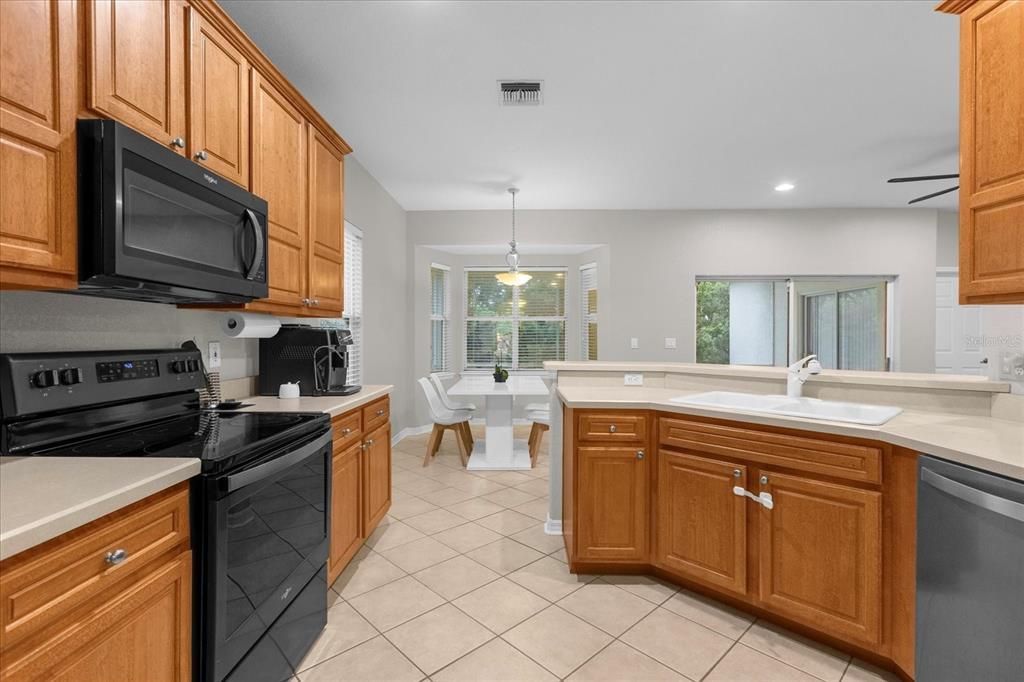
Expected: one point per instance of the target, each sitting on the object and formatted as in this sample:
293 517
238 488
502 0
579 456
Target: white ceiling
648 105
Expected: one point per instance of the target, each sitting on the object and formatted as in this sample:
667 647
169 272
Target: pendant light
513 277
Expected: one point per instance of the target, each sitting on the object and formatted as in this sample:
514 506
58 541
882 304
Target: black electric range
259 509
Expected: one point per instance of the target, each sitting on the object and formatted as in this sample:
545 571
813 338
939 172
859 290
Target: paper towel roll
249 326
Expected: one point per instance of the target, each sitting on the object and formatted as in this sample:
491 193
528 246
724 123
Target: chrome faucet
798 373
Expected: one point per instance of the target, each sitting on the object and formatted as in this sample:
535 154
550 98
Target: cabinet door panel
38 220
219 95
140 634
346 508
376 477
701 523
326 252
612 503
992 153
820 555
279 176
137 67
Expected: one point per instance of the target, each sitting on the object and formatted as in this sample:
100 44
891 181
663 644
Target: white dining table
499 450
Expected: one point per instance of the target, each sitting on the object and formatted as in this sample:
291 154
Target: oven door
267 537
159 219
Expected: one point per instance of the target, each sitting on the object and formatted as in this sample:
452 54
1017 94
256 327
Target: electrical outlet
214 354
634 343
670 342
634 380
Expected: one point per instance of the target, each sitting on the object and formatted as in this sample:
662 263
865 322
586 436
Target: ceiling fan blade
919 178
934 194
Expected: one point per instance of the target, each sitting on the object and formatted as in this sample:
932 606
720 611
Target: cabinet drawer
44 583
817 455
345 430
376 414
612 427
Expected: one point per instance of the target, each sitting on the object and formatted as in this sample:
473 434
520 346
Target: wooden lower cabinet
135 624
360 485
813 531
820 549
612 498
346 507
701 525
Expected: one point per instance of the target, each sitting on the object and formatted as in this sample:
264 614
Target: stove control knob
193 365
178 366
70 376
44 378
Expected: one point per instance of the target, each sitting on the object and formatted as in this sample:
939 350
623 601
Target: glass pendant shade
513 277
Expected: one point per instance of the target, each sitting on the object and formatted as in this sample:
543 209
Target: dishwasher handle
979 498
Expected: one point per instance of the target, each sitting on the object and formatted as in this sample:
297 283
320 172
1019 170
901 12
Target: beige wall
647 287
947 240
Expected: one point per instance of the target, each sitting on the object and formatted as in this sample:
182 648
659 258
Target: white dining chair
436 379
541 422
547 377
445 419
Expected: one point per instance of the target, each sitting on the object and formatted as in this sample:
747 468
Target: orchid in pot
502 349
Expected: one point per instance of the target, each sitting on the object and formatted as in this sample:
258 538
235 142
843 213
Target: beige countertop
945 382
332 405
43 497
987 443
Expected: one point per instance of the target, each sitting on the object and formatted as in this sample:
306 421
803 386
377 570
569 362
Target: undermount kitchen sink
809 408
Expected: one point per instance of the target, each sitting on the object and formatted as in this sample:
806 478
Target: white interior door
958 330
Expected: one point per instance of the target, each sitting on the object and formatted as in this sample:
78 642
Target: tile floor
460 582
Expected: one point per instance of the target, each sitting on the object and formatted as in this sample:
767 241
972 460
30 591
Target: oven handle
244 478
257 233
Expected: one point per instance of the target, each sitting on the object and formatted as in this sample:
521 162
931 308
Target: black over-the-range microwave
155 226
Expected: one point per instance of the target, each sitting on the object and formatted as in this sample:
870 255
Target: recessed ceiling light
784 186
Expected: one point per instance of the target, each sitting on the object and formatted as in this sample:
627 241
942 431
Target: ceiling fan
920 178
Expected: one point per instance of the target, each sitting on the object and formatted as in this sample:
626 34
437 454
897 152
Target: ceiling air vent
517 93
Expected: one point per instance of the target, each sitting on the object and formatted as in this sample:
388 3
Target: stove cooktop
222 440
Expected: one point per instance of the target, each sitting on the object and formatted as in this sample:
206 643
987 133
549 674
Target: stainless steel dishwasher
970 574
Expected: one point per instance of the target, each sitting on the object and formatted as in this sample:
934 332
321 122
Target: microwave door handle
257 233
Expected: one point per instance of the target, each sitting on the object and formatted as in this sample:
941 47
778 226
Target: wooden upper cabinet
701 524
219 96
136 71
38 100
612 503
279 176
820 555
991 149
326 251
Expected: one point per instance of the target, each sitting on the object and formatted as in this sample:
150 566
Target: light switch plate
670 342
214 354
634 380
634 343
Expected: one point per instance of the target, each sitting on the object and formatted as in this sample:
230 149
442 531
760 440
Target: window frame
586 317
444 318
354 319
514 319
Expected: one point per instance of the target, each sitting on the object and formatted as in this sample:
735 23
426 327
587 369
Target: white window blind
353 312
526 324
440 305
588 311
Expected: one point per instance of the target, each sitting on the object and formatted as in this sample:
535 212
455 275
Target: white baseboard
410 431
553 526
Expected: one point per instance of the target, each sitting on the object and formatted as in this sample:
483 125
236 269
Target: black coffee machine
315 358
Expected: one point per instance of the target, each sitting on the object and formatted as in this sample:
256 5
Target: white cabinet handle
116 557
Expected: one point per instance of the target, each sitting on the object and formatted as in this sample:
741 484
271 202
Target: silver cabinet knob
316 301
345 432
380 413
639 454
178 142
115 557
612 429
736 473
369 443
305 301
201 155
764 480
